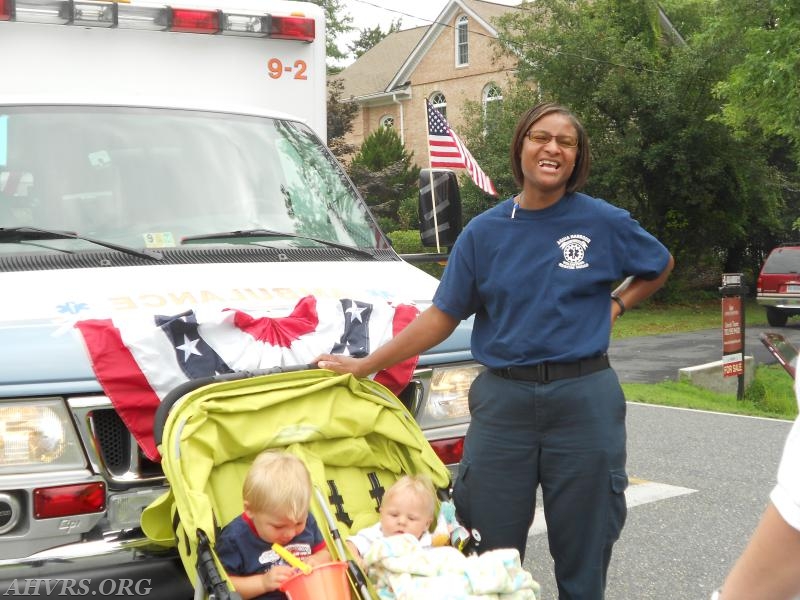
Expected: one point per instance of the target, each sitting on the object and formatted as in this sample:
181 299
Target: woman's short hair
278 484
580 172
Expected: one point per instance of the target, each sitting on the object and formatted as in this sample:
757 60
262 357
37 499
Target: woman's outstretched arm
431 327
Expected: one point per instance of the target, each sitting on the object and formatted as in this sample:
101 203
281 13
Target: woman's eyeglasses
543 137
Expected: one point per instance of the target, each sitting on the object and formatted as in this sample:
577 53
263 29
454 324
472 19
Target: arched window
492 101
439 103
462 41
387 121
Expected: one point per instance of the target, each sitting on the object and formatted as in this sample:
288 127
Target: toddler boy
277 494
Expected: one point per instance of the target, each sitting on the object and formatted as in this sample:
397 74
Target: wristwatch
620 303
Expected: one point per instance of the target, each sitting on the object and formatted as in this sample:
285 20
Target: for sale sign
732 341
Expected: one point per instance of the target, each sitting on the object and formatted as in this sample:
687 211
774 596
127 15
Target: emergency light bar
90 13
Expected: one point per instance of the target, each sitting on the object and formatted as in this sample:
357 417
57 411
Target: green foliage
759 95
337 22
695 134
340 117
772 391
646 100
382 147
385 223
655 317
370 36
489 144
761 89
682 394
408 213
408 242
385 175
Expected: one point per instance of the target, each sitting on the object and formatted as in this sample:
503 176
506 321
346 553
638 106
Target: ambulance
157 159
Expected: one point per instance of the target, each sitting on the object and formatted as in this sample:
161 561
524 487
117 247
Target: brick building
449 62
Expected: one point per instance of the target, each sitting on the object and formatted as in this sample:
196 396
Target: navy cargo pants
567 436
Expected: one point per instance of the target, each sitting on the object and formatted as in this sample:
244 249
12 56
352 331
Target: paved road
680 548
689 543
720 468
658 358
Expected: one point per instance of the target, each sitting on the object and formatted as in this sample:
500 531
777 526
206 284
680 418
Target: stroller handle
178 392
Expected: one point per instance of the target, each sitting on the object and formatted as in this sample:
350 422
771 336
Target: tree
759 96
370 36
761 93
337 22
385 175
340 119
761 90
489 145
646 100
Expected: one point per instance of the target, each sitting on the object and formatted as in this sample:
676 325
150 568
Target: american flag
139 360
449 152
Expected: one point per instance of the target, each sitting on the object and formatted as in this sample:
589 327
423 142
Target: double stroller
355 437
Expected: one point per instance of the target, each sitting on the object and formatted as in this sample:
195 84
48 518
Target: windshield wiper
16 235
269 233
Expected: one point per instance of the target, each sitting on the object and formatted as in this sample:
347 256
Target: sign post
733 291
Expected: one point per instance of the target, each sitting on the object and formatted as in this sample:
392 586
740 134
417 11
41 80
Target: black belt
551 371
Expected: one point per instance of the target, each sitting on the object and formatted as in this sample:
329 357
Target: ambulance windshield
149 178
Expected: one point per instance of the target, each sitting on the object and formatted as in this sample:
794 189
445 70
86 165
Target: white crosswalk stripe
638 493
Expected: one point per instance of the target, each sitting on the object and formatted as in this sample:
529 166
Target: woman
536 271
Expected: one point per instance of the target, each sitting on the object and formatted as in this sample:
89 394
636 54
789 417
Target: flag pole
433 187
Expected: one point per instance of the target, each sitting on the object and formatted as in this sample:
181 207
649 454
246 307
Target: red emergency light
292 28
195 21
89 13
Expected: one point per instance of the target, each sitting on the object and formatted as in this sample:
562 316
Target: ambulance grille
113 439
118 451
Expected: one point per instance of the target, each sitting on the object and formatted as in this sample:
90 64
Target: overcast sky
369 13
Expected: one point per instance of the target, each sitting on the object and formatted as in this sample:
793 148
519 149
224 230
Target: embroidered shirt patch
574 248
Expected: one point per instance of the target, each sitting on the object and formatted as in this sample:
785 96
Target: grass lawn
770 395
652 319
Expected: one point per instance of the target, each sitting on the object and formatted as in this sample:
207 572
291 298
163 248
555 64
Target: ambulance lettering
232 296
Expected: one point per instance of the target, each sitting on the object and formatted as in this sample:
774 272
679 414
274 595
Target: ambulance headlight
37 436
448 394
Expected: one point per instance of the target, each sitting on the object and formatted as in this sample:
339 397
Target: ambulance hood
43 352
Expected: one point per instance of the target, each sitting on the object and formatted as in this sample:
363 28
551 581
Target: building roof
388 65
482 12
488 10
373 70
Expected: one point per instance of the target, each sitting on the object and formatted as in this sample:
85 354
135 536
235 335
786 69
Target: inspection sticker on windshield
162 239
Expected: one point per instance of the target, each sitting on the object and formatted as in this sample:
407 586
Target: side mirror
439 207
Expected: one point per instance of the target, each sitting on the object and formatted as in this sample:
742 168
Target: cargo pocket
461 494
618 509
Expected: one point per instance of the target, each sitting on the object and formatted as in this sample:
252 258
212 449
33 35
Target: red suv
778 285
